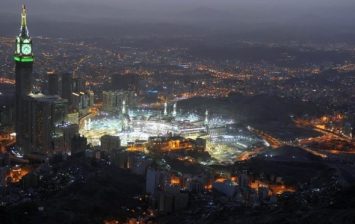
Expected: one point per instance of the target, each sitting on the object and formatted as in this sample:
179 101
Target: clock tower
24 63
23 52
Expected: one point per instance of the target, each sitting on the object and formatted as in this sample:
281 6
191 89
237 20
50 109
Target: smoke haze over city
320 18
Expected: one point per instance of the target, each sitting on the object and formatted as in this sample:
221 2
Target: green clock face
26 49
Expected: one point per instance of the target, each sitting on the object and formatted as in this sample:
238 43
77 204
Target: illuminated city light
143 123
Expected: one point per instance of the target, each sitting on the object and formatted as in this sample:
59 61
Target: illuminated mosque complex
138 126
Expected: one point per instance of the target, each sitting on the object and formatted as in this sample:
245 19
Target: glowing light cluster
139 125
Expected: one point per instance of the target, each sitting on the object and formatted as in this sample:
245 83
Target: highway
276 143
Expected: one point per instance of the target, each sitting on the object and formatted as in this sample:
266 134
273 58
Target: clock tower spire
24 30
23 52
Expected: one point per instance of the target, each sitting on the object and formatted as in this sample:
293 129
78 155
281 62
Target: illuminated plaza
224 144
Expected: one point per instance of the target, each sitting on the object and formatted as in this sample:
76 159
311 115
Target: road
333 135
276 143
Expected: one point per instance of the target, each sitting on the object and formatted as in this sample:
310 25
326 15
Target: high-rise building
24 63
91 96
109 143
124 82
153 178
53 83
113 100
67 86
78 85
200 144
243 180
64 134
7 111
82 101
78 144
45 114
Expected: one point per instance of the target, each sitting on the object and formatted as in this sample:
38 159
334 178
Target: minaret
89 124
206 118
123 107
174 110
86 125
24 63
165 108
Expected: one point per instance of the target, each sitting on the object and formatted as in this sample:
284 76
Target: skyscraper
24 63
124 82
53 81
109 143
67 87
37 115
113 100
46 113
78 85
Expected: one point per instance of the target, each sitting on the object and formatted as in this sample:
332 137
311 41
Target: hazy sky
334 14
175 9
